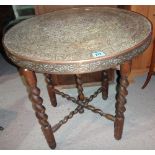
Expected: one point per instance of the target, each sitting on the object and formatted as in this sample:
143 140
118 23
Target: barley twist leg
121 100
37 101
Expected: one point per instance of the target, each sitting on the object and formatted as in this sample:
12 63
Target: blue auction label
98 54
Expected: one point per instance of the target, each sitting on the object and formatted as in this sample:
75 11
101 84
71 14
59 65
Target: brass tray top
78 40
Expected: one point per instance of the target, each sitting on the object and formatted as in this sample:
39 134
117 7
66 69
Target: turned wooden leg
37 101
81 96
121 100
105 84
50 88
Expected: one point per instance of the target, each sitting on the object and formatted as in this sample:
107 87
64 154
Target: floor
84 131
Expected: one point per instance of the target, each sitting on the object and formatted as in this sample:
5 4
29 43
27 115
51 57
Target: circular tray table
76 41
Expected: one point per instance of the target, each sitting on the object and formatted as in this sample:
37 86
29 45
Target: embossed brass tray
78 40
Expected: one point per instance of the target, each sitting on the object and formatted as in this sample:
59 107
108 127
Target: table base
81 101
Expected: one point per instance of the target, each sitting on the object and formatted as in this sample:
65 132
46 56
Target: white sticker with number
98 54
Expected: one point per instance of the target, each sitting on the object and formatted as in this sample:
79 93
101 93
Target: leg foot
47 133
37 103
118 126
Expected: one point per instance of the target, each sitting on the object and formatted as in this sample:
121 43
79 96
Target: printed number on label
98 54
